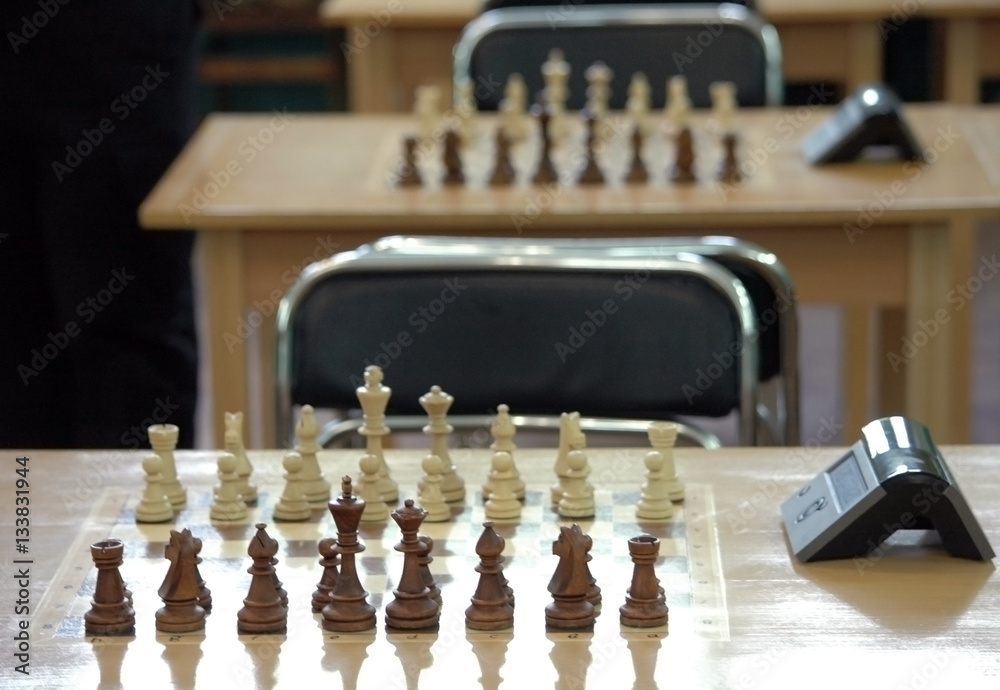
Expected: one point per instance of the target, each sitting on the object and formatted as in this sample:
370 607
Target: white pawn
163 439
663 436
367 489
427 108
430 497
154 506
678 106
234 445
638 102
503 431
654 502
502 503
292 506
228 505
577 494
724 105
514 108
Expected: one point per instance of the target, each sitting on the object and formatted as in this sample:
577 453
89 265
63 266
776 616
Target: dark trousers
98 329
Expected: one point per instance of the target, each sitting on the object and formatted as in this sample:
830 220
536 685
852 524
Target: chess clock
893 478
867 122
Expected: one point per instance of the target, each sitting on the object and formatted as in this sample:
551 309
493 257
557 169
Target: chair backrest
765 278
703 42
625 338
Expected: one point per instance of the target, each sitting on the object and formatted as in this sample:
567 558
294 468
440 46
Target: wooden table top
336 171
912 617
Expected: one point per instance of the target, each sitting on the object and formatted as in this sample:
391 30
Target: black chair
704 42
765 278
624 341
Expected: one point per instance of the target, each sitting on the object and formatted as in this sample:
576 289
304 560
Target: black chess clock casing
893 478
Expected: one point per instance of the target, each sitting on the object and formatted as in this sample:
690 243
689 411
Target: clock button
818 504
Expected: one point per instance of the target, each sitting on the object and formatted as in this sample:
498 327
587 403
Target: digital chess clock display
845 478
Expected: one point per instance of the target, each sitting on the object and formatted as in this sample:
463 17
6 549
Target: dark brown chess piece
729 171
637 173
425 559
348 610
111 612
503 170
683 169
452 159
204 593
410 175
644 605
412 607
263 612
328 580
180 589
591 172
490 608
546 171
570 584
593 591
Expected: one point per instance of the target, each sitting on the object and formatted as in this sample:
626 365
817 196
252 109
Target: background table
833 42
911 616
319 186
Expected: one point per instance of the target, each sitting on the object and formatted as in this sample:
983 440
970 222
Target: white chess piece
234 445
153 506
436 404
663 436
577 499
678 106
228 505
570 436
555 73
724 105
315 487
374 398
502 503
292 506
654 501
514 108
163 439
431 497
503 431
427 108
599 77
367 489
638 103
465 109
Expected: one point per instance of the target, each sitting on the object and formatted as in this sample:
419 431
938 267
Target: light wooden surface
907 617
319 186
409 43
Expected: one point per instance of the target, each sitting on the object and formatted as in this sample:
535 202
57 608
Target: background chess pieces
637 172
663 436
181 586
591 171
638 104
368 490
228 504
436 404
502 503
314 486
577 499
678 104
409 175
430 496
599 77
427 108
678 111
464 107
545 170
329 560
654 498
503 431
348 609
412 607
555 73
110 612
503 173
374 398
234 445
292 506
514 108
424 560
724 109
154 506
490 608
570 584
570 436
263 612
452 159
644 606
163 439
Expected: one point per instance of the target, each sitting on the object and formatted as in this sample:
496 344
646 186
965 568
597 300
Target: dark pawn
729 171
503 170
644 605
111 610
453 174
490 608
412 608
348 610
546 171
683 170
637 173
410 176
262 612
328 580
425 559
591 173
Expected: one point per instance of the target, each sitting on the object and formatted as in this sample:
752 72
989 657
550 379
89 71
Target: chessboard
689 569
